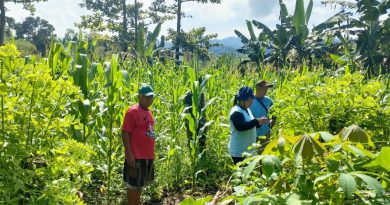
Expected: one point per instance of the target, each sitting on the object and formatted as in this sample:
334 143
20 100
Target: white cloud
261 8
16 11
218 18
214 13
320 14
62 14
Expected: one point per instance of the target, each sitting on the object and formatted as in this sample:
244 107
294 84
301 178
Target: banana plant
145 44
252 46
289 36
371 29
301 18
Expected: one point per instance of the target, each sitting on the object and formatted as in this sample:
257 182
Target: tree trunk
2 22
178 33
124 27
136 19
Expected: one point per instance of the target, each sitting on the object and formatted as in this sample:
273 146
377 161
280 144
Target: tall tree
118 17
195 41
9 26
70 35
159 11
124 32
179 15
36 30
27 4
112 16
136 18
176 9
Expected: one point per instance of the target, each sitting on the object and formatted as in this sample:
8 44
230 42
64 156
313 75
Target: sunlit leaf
297 199
355 134
371 183
251 166
382 160
306 147
269 165
348 184
269 149
326 136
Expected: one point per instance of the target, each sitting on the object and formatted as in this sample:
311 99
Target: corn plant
194 118
174 105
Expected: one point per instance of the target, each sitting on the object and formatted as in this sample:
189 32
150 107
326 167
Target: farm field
194 102
60 132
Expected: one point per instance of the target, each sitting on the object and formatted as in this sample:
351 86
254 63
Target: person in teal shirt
259 108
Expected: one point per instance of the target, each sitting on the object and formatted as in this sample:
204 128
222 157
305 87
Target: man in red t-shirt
138 139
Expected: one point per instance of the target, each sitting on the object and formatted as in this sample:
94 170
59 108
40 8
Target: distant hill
234 42
229 45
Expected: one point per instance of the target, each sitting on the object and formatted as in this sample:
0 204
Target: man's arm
126 143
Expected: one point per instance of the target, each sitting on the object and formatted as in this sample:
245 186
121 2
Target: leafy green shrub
26 47
40 163
341 171
309 102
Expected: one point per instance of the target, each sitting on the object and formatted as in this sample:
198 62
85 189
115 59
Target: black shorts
139 176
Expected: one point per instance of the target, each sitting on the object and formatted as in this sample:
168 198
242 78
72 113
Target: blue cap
245 93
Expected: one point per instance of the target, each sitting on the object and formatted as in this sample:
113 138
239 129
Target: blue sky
218 18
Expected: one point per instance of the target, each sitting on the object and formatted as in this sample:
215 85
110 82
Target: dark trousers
237 159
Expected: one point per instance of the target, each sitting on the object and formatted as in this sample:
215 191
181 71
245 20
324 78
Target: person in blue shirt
260 107
243 125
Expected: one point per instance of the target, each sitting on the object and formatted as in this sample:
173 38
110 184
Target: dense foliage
61 117
357 36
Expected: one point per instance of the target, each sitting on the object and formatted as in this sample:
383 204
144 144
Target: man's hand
263 120
272 123
131 161
126 143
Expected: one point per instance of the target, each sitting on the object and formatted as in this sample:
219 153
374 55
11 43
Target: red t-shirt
139 124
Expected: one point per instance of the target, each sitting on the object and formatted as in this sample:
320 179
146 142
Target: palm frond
243 38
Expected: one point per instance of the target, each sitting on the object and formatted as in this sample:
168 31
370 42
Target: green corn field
61 120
